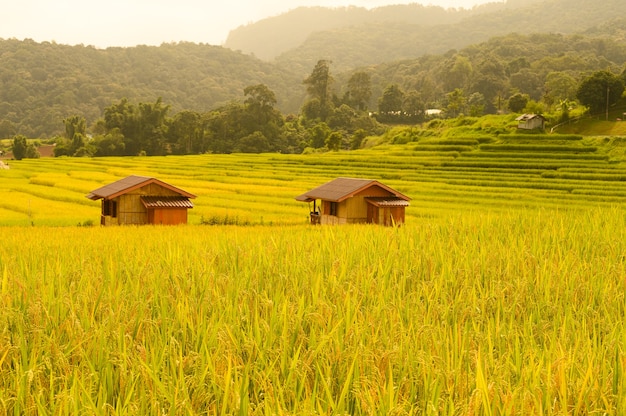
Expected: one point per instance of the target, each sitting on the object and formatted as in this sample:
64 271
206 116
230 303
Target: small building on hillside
142 200
531 121
349 201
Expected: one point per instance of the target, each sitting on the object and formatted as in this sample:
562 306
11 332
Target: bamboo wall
130 209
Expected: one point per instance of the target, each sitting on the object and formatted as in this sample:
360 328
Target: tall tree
262 117
185 133
559 86
391 100
599 91
152 122
359 90
318 86
19 147
75 132
456 102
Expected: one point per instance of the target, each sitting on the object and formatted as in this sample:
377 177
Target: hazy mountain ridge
270 37
369 44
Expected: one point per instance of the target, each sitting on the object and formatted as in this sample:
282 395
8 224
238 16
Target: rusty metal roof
131 183
340 189
151 201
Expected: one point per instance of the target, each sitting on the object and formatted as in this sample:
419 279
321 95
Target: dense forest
185 97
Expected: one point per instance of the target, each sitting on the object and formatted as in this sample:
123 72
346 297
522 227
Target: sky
153 22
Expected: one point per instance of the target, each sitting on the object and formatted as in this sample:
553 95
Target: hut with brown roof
142 200
350 200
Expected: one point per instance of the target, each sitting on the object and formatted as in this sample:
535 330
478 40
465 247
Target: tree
253 143
456 72
357 139
260 97
318 135
7 128
318 86
476 103
359 90
517 102
456 102
559 86
185 133
19 147
261 116
391 100
333 141
75 132
599 91
413 106
152 127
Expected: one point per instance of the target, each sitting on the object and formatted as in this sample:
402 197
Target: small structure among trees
350 200
531 121
142 200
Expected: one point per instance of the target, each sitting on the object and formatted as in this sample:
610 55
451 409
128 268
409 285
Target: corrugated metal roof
387 202
128 184
342 188
527 117
151 201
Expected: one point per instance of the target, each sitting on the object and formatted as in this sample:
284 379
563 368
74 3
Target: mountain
354 37
43 83
268 38
517 44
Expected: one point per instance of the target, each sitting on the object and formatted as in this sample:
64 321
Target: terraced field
508 172
502 295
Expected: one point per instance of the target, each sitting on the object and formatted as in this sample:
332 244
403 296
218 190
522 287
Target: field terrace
441 176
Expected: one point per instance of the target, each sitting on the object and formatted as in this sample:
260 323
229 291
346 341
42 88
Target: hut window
333 208
109 208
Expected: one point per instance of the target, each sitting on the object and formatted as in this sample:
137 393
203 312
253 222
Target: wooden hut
531 121
142 200
349 200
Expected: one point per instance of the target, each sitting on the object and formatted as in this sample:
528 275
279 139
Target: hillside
43 83
270 37
384 41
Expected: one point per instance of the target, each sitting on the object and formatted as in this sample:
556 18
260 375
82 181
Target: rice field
503 294
475 314
441 176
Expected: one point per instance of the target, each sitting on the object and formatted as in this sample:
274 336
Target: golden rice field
503 294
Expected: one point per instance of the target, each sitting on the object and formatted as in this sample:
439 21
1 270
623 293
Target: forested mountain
381 41
273 36
43 83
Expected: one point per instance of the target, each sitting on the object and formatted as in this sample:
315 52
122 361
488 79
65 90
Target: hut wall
391 215
130 209
167 216
355 210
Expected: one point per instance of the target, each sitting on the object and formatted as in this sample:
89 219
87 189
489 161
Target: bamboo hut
142 200
350 200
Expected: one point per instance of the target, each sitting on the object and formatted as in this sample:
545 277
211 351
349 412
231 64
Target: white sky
152 22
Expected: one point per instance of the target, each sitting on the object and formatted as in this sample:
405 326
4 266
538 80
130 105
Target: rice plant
485 313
